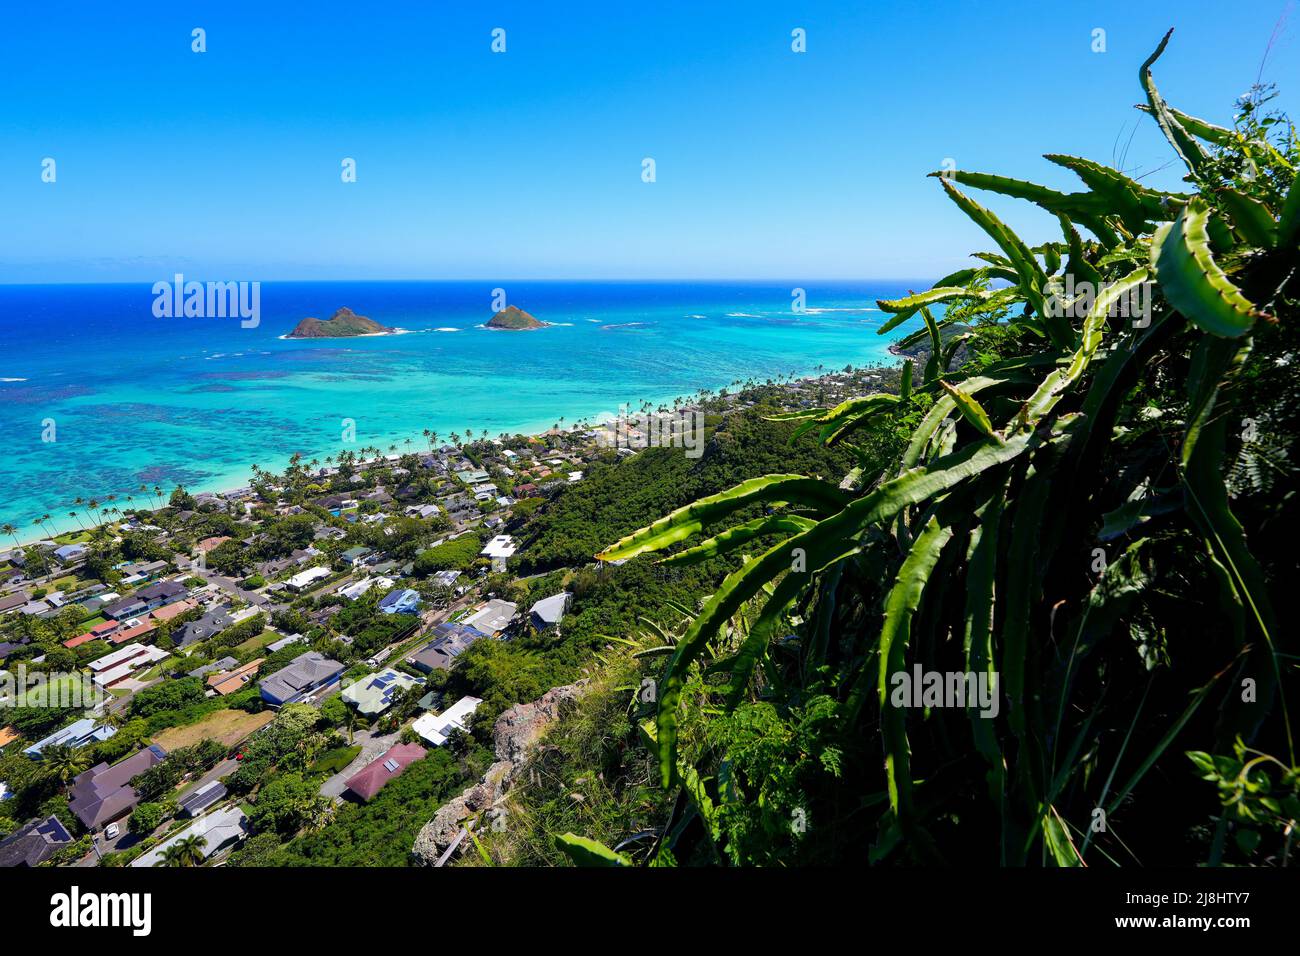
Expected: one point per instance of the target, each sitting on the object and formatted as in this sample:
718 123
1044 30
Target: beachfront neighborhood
264 657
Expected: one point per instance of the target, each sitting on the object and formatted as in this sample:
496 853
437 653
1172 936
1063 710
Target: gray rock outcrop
514 735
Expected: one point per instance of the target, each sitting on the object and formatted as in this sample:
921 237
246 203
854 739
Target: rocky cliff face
514 735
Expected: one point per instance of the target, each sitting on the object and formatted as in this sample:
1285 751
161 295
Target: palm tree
73 514
10 530
352 721
45 558
64 762
317 814
187 851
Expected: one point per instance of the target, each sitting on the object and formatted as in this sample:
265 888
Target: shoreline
290 337
61 526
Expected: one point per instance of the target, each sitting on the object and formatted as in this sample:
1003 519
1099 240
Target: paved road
231 586
227 766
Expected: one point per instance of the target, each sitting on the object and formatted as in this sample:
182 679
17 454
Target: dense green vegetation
455 555
608 600
613 499
381 832
1091 512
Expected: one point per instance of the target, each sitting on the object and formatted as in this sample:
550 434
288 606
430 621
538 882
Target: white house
357 588
304 579
436 728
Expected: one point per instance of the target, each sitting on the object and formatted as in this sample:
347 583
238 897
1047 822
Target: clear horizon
770 163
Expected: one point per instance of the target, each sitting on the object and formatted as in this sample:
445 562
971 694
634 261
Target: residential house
405 601
172 611
493 617
201 799
137 572
358 588
374 776
283 643
70 553
75 735
305 675
34 842
145 599
209 625
446 578
104 793
216 667
373 695
219 830
499 549
547 612
450 642
304 579
111 669
437 728
355 557
236 679
132 629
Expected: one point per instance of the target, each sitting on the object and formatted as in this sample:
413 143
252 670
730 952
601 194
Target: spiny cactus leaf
1250 218
739 536
904 309
1187 148
1192 281
1032 278
585 852
970 409
1217 135
686 521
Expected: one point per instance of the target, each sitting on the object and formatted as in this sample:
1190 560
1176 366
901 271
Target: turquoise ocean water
136 399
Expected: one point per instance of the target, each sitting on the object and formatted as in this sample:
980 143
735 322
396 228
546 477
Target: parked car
112 832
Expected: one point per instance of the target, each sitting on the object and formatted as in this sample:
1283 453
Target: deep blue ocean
134 399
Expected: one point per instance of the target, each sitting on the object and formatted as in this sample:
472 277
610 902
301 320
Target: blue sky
470 164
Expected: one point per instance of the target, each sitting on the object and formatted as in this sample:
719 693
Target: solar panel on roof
391 765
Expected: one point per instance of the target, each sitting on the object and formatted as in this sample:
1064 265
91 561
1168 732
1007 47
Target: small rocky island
514 319
341 325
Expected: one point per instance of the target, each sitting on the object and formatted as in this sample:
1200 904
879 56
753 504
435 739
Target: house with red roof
373 777
133 630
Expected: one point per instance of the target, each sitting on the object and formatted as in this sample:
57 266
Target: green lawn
258 642
333 761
